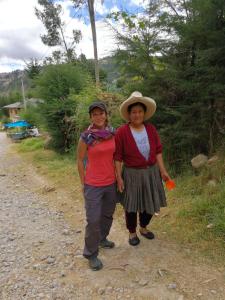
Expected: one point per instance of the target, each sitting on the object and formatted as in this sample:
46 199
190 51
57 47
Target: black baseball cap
97 104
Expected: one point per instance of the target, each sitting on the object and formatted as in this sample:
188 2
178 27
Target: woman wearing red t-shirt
97 175
139 165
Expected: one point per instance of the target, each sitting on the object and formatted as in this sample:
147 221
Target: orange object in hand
170 185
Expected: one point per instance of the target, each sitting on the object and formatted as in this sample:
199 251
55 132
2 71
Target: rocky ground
41 252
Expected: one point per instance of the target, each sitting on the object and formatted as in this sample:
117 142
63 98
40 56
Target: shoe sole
134 244
97 269
106 247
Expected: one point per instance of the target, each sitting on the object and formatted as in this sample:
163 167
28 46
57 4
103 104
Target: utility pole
24 99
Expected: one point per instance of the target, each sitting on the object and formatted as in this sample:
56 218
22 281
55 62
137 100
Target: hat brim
97 105
148 102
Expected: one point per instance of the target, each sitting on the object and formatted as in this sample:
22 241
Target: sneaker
106 244
95 263
134 241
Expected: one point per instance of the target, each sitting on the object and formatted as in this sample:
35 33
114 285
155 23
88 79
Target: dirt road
41 252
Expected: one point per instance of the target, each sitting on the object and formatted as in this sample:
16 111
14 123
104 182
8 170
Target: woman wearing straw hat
98 179
139 165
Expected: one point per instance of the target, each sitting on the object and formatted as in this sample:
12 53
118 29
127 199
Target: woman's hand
165 176
120 184
82 188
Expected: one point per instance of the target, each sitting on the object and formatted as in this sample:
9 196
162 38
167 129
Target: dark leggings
131 220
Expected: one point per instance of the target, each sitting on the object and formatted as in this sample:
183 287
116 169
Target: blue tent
20 123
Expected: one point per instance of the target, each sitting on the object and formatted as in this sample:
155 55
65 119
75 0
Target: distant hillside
110 66
10 82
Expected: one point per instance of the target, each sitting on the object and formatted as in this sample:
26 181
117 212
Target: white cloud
140 3
114 9
101 8
20 32
136 2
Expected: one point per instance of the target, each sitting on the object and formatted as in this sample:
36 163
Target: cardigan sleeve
157 142
118 155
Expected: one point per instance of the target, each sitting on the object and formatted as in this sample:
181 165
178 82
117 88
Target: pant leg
144 219
93 205
108 208
131 221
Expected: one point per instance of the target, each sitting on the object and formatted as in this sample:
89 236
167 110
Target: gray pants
100 203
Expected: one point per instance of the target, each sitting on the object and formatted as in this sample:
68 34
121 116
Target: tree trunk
94 38
65 45
211 128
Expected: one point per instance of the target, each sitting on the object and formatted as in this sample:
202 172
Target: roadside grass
31 144
194 218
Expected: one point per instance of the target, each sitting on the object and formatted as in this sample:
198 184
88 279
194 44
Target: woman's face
136 115
98 117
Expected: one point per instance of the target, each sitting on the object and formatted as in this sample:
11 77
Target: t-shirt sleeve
118 155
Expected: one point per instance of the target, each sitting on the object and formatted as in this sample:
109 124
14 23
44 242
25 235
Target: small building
15 108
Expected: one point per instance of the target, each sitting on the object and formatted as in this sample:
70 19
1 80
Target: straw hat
137 97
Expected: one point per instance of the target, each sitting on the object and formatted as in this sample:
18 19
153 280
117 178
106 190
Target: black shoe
134 241
106 244
148 235
95 263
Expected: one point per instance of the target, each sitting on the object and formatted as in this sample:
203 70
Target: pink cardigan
127 150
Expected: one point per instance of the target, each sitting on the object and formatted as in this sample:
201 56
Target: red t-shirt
100 170
127 150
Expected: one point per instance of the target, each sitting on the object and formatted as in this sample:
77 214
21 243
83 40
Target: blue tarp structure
20 123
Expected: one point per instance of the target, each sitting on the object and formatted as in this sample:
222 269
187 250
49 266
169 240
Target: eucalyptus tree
90 6
50 15
140 45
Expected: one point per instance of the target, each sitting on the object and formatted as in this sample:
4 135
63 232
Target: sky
20 30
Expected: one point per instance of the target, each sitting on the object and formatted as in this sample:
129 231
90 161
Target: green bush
58 85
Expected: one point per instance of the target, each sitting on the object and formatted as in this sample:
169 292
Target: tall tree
33 68
185 70
139 41
90 5
50 17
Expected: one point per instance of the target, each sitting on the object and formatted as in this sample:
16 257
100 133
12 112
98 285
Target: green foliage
56 82
31 144
83 100
57 85
207 204
89 66
174 53
34 116
50 15
4 119
33 68
210 210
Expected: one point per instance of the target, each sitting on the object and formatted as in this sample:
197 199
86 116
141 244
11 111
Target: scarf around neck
93 135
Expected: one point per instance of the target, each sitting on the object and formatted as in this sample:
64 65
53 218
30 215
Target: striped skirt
143 190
